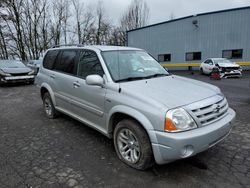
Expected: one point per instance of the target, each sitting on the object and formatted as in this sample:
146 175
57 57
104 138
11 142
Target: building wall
225 30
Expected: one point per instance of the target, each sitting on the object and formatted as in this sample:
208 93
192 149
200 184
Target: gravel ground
38 152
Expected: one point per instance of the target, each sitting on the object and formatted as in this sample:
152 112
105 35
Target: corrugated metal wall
215 32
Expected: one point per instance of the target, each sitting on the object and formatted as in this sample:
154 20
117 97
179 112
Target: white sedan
226 67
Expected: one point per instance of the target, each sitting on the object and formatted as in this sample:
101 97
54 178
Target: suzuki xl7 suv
127 95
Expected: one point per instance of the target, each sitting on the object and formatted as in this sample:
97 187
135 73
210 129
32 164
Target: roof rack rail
62 45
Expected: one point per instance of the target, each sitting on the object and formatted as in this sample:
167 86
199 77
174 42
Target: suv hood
228 65
16 70
170 91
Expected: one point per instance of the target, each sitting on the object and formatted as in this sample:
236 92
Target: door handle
52 76
76 84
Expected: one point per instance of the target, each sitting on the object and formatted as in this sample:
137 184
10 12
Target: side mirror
95 80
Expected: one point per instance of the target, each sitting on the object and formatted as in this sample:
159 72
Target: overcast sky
160 10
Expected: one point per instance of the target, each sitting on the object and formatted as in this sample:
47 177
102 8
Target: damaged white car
226 67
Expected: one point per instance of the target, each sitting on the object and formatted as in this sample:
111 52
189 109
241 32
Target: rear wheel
132 144
48 106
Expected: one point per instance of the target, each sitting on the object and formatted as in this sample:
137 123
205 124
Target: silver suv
127 95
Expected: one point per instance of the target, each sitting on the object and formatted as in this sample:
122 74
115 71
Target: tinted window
49 59
89 64
232 54
193 56
66 62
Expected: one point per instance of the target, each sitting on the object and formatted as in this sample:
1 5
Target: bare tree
56 22
78 7
136 15
29 27
102 25
14 11
3 45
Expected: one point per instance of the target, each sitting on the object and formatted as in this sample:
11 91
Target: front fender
45 85
141 118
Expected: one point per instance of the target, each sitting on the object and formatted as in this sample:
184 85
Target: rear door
88 101
64 75
210 66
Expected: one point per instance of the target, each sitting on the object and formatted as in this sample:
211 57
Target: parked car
34 65
15 71
127 95
227 68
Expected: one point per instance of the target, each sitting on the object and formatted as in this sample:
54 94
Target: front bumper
169 147
233 73
15 79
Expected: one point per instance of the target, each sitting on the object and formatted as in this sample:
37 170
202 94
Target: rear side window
66 62
89 64
49 59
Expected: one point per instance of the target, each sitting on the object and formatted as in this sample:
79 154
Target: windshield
222 61
11 64
129 64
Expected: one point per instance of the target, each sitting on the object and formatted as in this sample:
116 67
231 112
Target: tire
49 107
201 71
137 141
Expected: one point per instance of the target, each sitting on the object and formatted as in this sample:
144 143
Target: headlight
31 72
179 120
4 74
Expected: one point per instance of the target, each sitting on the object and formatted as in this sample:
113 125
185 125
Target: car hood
16 70
228 65
170 91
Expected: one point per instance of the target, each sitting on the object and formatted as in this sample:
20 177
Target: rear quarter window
49 59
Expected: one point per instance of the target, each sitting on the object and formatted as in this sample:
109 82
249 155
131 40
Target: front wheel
132 144
201 71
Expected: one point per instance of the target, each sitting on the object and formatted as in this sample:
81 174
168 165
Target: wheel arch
46 88
123 112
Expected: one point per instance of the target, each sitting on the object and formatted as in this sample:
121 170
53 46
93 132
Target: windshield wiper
131 79
157 75
141 77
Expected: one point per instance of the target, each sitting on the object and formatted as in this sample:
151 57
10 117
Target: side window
89 64
49 59
206 62
210 62
66 62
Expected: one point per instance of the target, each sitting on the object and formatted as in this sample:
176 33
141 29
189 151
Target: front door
209 66
88 101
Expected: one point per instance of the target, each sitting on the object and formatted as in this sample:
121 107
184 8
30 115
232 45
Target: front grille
228 69
19 74
212 112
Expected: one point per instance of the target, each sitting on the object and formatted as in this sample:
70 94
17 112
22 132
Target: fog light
187 151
